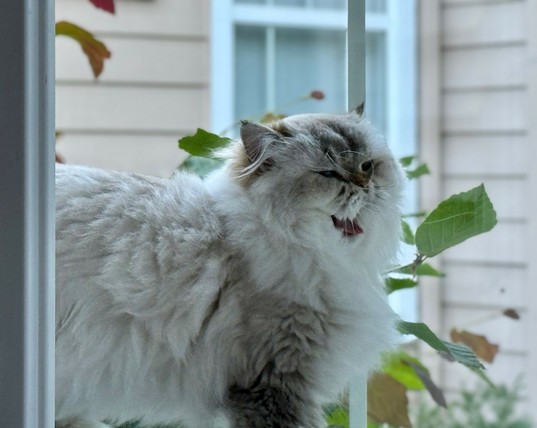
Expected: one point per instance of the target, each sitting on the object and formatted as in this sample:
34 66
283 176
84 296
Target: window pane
250 72
309 60
305 60
330 4
376 6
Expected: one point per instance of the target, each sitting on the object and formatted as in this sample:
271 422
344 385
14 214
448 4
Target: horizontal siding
506 243
485 111
149 154
485 155
510 209
172 18
484 23
154 88
491 285
495 66
485 63
130 108
138 60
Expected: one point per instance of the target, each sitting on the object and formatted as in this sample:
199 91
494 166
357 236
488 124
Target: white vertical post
270 64
356 53
27 213
356 96
222 65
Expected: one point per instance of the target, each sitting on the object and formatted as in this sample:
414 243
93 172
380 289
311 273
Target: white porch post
27 213
356 95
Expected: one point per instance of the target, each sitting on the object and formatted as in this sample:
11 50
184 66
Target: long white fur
141 262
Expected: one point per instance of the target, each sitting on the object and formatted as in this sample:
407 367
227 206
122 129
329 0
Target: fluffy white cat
253 294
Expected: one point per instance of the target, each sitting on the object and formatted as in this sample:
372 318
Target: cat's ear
257 140
359 110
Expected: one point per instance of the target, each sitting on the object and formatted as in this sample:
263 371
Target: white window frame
27 214
399 25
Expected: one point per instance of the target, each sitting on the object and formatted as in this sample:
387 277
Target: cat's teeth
347 226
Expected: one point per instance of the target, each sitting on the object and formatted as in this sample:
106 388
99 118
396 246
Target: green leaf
408 235
459 353
417 172
412 170
483 376
407 161
455 220
397 365
394 284
94 49
423 269
200 166
202 143
338 417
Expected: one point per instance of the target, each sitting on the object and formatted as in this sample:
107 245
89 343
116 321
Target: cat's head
316 166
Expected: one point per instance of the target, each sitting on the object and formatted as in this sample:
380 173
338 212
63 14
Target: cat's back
129 227
85 194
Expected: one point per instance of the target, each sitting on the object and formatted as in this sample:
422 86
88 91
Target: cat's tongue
348 227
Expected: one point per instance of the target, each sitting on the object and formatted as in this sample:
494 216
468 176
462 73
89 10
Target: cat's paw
80 423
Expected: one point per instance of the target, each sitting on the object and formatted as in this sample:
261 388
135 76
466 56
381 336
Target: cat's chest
305 272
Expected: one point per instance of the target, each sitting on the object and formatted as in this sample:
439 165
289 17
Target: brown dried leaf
94 49
317 95
512 313
479 344
387 401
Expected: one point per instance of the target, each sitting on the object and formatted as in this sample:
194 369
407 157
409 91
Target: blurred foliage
482 407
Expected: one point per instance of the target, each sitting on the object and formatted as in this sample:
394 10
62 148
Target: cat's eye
331 174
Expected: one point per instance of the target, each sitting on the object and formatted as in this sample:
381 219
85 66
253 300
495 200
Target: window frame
27 231
401 82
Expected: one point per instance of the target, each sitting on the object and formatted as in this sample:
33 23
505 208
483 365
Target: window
268 53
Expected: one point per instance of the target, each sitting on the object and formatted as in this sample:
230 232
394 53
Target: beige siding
473 23
484 123
153 90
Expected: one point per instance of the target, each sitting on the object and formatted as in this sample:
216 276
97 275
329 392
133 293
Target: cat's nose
366 167
363 175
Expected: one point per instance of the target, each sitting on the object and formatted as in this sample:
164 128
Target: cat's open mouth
348 227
